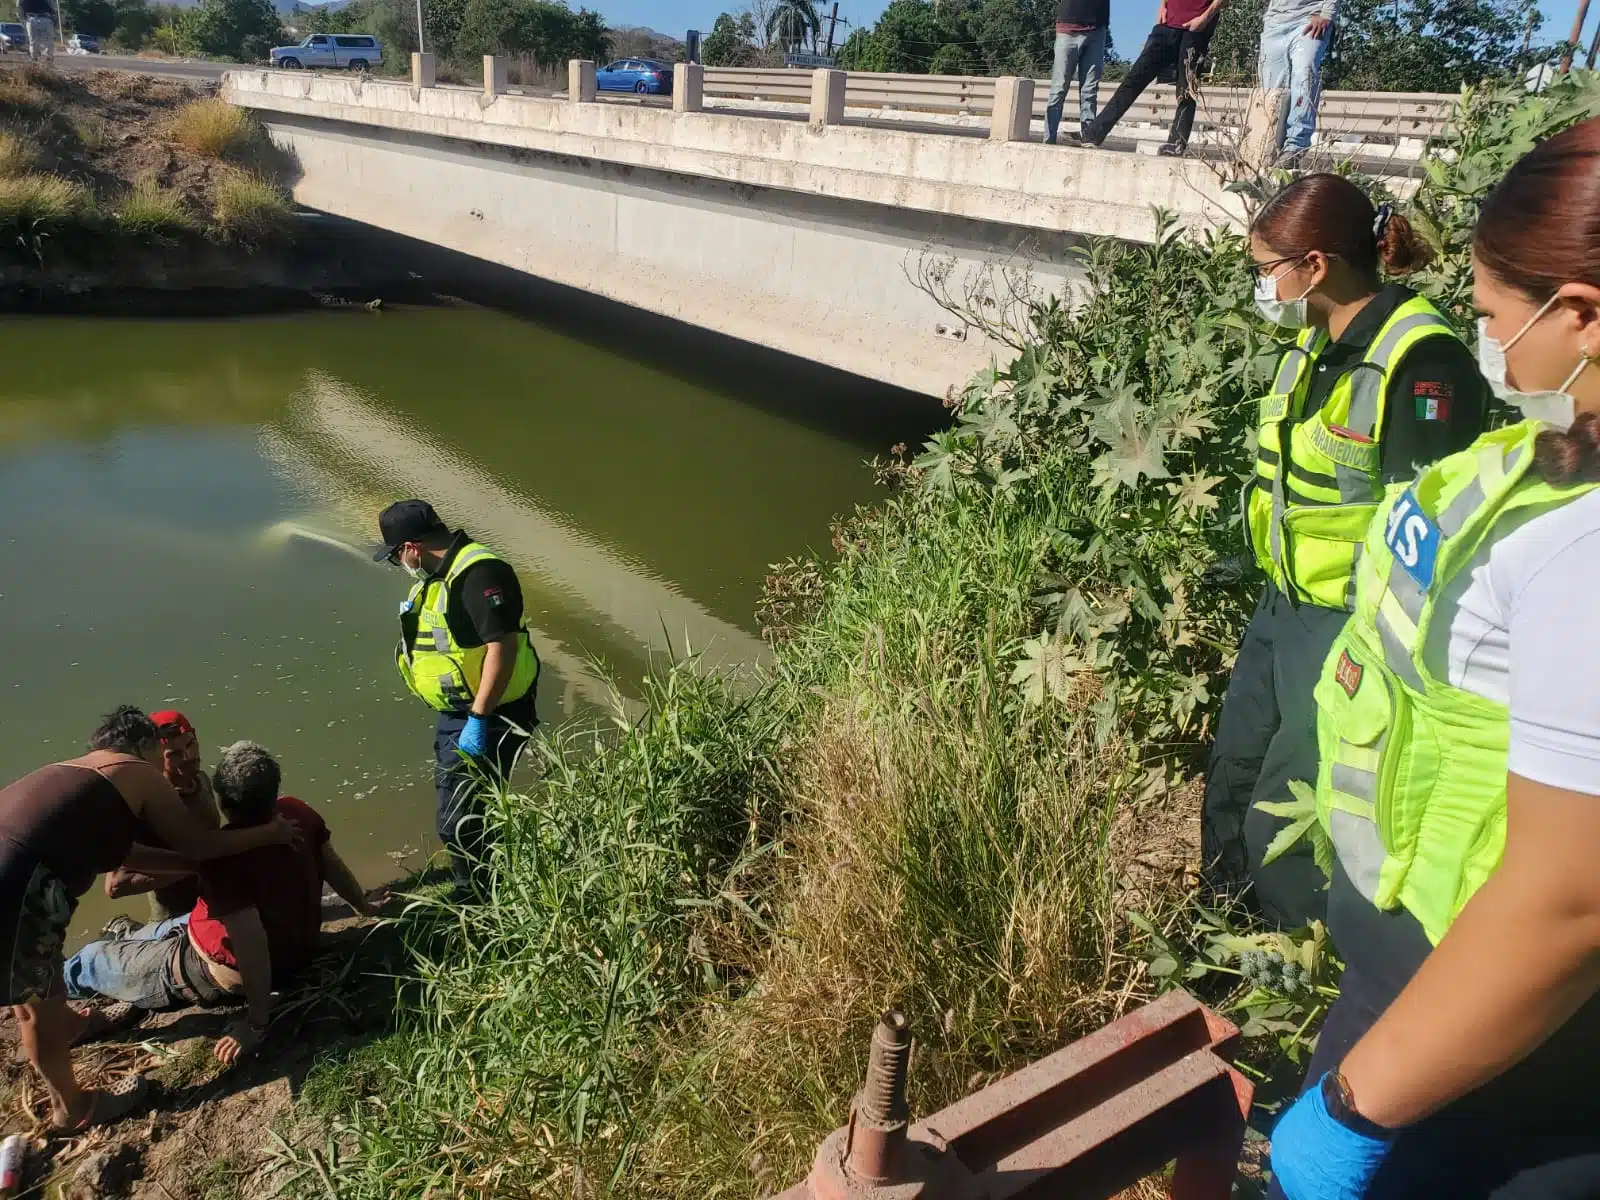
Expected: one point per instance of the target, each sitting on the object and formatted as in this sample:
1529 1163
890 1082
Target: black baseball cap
407 521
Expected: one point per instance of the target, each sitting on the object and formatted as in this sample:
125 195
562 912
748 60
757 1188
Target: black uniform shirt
1436 400
485 601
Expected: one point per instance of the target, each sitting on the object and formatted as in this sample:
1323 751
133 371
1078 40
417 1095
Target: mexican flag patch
1433 401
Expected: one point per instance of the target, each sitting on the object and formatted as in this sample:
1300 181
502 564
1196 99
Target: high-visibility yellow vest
439 670
1306 524
1412 782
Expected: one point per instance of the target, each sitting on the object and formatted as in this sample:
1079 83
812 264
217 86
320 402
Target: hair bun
1400 249
1573 456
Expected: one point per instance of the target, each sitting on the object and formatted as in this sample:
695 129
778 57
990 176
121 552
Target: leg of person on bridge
41 39
1069 49
1191 61
1291 69
1160 51
1091 64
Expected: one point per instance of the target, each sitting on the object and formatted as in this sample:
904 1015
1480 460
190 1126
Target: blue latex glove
1314 1157
474 739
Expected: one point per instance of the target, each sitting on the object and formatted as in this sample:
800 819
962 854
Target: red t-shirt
1181 12
282 883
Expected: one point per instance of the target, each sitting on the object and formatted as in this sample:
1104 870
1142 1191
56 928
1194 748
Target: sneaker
1172 150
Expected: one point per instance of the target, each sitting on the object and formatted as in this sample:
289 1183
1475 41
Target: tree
1398 45
242 30
97 17
729 44
988 37
792 22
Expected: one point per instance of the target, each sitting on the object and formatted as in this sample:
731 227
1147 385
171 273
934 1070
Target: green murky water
185 503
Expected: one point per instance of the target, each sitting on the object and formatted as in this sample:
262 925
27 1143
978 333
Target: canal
189 506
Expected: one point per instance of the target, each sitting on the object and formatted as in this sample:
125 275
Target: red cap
169 722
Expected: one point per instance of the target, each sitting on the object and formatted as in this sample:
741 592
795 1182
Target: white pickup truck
343 51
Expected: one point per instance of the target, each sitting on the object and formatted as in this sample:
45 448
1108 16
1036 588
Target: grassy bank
97 166
972 760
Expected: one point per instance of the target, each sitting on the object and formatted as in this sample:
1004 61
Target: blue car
642 75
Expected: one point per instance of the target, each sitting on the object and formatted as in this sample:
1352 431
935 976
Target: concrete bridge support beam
1013 109
424 70
827 97
494 76
580 81
688 87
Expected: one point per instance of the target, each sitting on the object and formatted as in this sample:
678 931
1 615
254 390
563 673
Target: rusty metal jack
1089 1120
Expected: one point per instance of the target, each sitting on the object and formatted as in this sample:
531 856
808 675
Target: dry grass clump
213 128
151 211
35 204
250 211
17 154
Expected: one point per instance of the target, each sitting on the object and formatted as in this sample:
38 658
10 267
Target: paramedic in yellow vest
1460 783
465 651
1375 385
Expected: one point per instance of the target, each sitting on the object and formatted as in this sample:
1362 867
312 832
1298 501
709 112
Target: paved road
175 68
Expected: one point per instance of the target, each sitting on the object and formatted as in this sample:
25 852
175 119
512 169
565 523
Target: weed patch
213 128
42 204
154 213
17 154
252 212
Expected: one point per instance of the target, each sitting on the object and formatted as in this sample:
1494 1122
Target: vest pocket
1360 714
1325 542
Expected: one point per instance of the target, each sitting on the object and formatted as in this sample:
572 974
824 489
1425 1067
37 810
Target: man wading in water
465 652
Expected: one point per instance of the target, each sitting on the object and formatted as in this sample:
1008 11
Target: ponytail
1563 459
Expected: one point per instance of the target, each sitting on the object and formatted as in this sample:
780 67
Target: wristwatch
1341 1105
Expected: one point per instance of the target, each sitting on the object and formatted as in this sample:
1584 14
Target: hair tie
1381 221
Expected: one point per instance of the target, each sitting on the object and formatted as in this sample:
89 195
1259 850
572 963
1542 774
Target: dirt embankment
114 184
208 1132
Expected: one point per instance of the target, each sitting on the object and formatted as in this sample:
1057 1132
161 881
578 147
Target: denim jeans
1181 51
136 968
1291 62
1077 54
41 39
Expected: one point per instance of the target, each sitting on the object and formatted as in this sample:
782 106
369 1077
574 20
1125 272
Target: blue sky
1130 19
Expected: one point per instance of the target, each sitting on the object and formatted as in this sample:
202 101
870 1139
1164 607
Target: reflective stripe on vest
1411 786
439 671
1334 460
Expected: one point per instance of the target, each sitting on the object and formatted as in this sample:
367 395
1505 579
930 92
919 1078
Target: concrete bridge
816 233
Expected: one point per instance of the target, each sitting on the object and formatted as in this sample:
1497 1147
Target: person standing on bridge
39 16
465 652
1081 31
1460 785
1295 37
1376 385
1177 46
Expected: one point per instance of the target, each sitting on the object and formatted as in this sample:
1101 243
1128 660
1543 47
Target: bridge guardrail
1359 115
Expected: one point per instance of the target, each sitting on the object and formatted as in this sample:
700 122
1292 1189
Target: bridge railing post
1013 109
827 96
424 71
580 81
494 76
688 87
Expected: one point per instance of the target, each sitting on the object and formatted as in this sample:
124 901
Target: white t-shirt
1522 626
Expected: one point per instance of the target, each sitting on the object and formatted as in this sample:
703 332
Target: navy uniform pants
1266 736
463 783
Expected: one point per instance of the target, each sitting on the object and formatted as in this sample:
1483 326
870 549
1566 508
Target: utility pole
421 49
1576 37
1527 34
833 23
1594 45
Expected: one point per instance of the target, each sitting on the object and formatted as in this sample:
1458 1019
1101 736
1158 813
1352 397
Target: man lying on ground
172 894
255 925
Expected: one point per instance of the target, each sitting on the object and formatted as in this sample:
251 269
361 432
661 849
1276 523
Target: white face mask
1555 407
1288 314
414 572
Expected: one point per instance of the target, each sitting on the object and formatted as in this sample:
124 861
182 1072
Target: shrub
42 204
151 211
213 128
17 154
251 212
23 93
